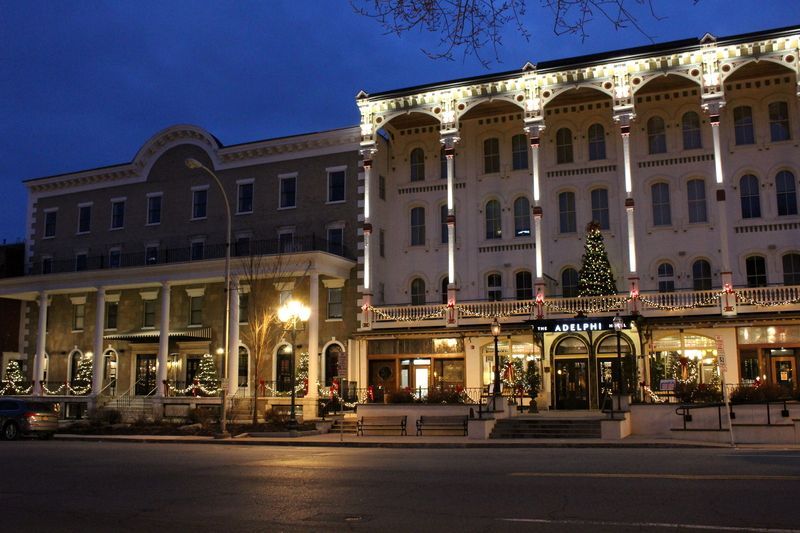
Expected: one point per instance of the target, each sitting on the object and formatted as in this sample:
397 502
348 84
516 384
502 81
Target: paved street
86 486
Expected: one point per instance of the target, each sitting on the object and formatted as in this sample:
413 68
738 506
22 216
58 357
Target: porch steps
344 424
131 408
546 428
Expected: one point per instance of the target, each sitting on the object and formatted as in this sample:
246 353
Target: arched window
569 283
756 268
333 363
743 125
75 357
666 278
701 275
417 164
750 196
564 146
283 375
524 285
597 142
494 287
519 151
442 164
786 192
567 222
662 214
779 122
791 269
443 286
571 346
491 155
690 124
656 136
494 228
109 365
244 367
600 208
418 226
417 291
522 217
696 198
443 223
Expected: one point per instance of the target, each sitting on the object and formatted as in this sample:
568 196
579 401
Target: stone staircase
533 427
344 424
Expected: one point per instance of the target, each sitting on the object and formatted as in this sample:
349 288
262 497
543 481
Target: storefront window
525 352
683 358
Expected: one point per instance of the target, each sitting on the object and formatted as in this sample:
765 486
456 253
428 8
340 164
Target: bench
382 423
442 423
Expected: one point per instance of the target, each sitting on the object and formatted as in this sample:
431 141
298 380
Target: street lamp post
621 385
495 334
290 313
194 164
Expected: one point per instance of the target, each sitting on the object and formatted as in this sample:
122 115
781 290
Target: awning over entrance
155 335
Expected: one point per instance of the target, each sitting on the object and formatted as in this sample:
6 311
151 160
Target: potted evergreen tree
532 383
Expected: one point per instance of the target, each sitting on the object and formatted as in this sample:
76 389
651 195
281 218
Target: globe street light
290 313
495 334
195 164
619 323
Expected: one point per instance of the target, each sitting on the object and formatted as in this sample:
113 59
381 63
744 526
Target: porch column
99 326
233 339
313 335
163 339
38 359
366 154
449 142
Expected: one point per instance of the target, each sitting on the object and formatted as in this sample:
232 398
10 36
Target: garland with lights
759 303
595 277
406 317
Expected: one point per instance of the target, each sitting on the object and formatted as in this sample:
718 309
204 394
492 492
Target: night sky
85 84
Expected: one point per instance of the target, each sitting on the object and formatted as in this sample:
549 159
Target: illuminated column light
451 253
631 237
626 151
717 149
367 175
367 235
535 169
537 228
450 173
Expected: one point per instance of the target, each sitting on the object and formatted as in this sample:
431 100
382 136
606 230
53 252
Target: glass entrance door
145 374
607 379
572 384
784 372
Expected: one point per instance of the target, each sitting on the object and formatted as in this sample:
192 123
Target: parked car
25 417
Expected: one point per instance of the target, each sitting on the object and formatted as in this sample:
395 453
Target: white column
99 326
367 180
626 155
38 360
537 229
451 213
313 336
717 150
233 339
163 339
631 240
720 194
535 168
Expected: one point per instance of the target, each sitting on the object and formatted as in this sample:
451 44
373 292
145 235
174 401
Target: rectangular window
151 255
114 258
756 268
245 198
336 186
779 122
566 213
336 241
491 155
47 265
84 218
288 191
335 303
196 250
81 262
50 224
696 194
196 311
600 208
743 125
153 210
286 242
117 214
382 187
381 243
199 203
149 314
519 152
244 307
662 215
78 316
418 226
112 309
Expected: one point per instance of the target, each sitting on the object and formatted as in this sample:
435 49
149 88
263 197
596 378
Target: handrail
111 382
684 411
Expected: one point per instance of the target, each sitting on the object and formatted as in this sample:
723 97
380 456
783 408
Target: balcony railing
705 302
162 256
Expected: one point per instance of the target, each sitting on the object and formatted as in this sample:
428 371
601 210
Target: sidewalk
410 441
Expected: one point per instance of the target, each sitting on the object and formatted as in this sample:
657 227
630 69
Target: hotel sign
569 325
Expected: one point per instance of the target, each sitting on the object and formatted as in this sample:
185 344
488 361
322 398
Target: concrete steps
546 428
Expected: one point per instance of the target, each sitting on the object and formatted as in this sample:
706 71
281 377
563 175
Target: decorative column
233 339
366 312
449 142
313 335
99 327
163 340
533 128
38 360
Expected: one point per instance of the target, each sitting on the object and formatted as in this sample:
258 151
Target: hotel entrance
571 374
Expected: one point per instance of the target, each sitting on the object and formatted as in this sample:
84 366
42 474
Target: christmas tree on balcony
13 380
207 375
595 277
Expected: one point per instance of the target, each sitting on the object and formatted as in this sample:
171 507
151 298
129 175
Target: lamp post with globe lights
293 314
495 334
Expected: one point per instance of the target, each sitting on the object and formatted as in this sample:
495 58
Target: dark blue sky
85 84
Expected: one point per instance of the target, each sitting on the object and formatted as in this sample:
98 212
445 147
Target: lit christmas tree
13 377
82 383
595 278
207 374
301 372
